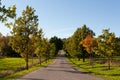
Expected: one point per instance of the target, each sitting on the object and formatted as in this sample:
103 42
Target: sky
61 18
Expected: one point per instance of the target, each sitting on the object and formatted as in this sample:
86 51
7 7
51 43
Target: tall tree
39 45
90 44
117 46
24 27
106 45
75 48
68 47
46 48
52 50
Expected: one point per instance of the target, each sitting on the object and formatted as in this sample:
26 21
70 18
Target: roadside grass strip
100 70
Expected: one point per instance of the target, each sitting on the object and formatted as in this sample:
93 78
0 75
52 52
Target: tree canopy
72 45
6 13
24 27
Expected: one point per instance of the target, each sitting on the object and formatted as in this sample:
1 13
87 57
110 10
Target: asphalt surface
60 69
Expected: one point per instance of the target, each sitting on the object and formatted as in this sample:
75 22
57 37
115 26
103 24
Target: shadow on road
30 79
64 66
70 71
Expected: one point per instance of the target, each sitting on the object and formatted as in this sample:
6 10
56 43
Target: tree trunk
46 58
40 59
109 63
26 61
83 55
91 60
27 47
78 58
32 59
83 59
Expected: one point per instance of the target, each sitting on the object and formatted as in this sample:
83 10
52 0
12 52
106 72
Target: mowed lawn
11 65
100 70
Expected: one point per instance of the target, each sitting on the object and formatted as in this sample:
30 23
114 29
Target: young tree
106 45
52 50
39 45
117 47
90 44
46 49
69 47
24 27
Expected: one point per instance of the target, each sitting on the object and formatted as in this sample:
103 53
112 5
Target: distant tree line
5 49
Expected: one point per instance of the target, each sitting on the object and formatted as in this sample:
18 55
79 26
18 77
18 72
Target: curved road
60 69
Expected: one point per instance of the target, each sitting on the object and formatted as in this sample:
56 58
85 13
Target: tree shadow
31 79
78 72
64 63
71 71
52 67
114 74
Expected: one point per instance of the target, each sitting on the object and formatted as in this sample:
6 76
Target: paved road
58 70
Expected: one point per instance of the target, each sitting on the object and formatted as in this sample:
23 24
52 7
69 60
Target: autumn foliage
89 43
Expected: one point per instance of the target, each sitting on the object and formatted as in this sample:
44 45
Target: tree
73 43
52 50
90 44
106 45
24 27
6 13
68 47
46 48
39 45
43 47
117 46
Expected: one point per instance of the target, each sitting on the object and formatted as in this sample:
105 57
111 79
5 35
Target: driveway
60 69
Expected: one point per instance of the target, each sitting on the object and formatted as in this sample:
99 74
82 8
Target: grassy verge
99 70
11 65
19 74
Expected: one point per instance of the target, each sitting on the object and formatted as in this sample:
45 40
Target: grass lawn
19 74
10 65
100 70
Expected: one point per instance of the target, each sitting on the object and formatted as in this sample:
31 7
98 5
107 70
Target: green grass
116 57
12 65
19 74
100 70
